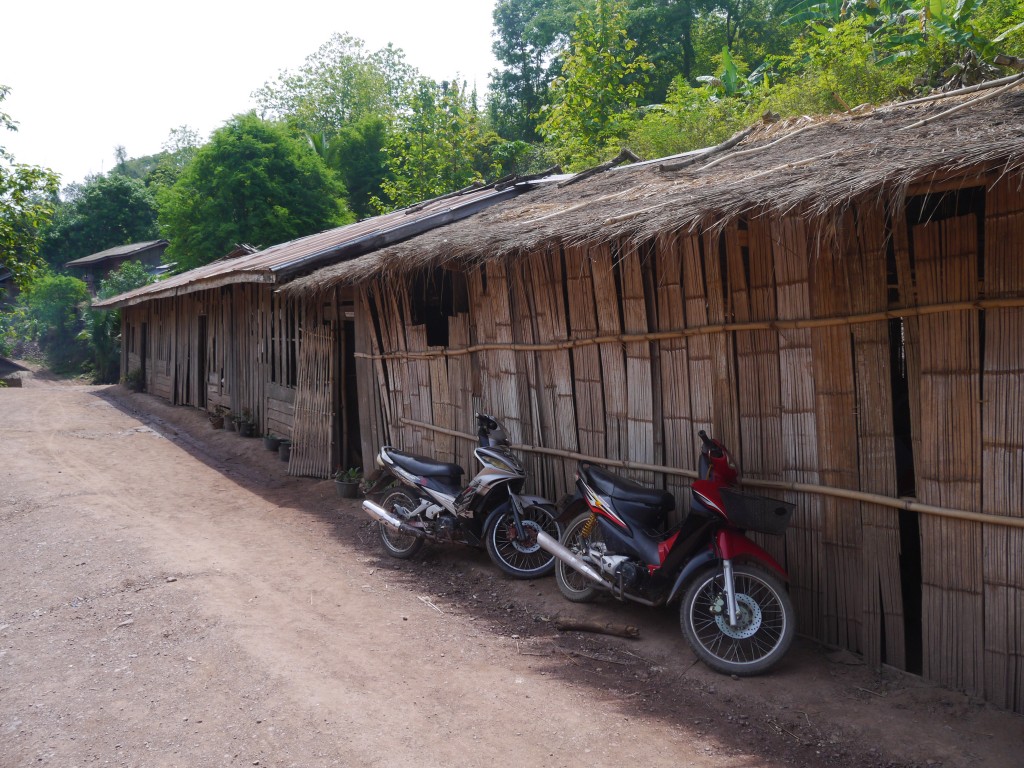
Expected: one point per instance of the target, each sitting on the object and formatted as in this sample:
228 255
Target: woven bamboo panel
835 414
613 360
1003 449
752 284
640 431
313 433
948 444
798 438
862 247
460 388
542 288
679 433
589 386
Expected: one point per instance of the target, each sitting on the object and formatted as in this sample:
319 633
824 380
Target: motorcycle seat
624 490
423 466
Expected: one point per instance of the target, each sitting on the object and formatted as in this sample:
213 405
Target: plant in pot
217 417
271 442
246 424
346 482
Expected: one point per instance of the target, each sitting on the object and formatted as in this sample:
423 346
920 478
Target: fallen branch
727 144
577 625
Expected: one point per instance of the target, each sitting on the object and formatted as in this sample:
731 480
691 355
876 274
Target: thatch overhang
280 262
811 166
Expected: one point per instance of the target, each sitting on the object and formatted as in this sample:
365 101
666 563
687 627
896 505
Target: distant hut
840 300
96 266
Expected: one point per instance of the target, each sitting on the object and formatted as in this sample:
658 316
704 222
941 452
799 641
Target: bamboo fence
786 338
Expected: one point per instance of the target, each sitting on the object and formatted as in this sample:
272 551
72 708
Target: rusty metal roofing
278 262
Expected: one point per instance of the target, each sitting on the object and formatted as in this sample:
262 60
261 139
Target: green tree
27 195
53 306
440 146
357 153
527 35
105 212
254 182
102 328
594 99
340 83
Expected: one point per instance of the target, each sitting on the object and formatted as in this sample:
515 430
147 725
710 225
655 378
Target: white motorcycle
428 503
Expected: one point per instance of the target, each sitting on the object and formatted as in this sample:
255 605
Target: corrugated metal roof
118 250
274 263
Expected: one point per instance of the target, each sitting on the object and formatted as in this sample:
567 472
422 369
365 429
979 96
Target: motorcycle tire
763 632
574 586
521 559
396 543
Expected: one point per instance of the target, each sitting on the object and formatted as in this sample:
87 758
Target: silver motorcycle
429 503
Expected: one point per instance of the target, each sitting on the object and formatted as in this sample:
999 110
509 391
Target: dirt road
169 597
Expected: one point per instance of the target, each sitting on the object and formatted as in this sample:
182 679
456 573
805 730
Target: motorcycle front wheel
396 543
763 631
573 585
521 558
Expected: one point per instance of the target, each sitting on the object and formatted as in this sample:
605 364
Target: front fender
735 546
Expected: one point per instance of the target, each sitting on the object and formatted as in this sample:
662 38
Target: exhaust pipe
380 514
551 546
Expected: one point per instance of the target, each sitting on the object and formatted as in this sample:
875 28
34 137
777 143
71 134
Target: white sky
88 76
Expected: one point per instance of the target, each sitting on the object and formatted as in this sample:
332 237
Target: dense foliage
254 182
26 194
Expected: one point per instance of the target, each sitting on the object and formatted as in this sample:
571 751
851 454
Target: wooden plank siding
772 334
252 356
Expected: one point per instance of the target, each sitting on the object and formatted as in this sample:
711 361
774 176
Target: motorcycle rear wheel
765 626
574 586
521 559
396 543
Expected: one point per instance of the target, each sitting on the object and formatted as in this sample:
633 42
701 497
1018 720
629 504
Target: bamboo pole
713 328
905 504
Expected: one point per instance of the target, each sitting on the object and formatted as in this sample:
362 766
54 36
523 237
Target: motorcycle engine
444 527
623 570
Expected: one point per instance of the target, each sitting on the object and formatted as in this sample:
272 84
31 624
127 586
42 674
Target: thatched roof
810 166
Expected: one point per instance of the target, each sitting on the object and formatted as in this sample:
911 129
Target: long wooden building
840 300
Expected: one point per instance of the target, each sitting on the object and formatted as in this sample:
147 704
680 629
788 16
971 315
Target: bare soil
170 597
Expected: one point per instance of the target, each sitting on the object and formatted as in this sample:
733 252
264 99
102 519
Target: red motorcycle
734 609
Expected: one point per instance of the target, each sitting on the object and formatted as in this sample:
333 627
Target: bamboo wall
789 340
256 359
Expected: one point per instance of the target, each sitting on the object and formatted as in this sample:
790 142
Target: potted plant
271 442
246 424
217 417
346 482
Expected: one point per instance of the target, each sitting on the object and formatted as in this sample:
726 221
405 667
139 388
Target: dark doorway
201 375
143 354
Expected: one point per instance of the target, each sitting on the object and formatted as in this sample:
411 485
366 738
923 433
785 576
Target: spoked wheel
764 627
577 539
521 558
396 543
